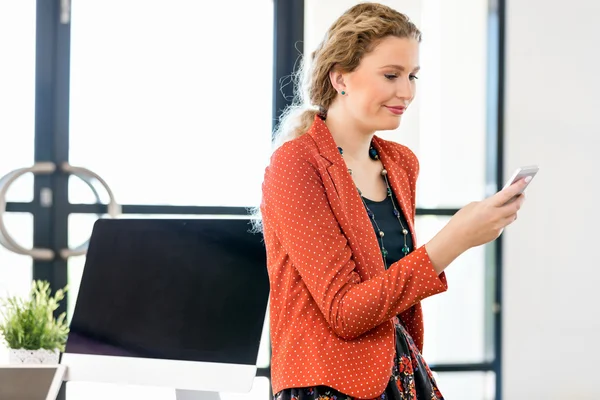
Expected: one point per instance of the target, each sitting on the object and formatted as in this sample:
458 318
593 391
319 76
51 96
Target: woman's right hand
475 224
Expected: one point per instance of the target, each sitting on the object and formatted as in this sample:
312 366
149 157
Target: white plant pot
41 356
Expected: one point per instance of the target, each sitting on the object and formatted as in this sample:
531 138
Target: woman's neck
349 136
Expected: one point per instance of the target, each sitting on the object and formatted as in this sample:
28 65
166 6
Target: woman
338 214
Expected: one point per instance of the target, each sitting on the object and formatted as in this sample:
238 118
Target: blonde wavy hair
355 33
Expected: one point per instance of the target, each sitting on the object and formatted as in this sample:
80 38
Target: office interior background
173 104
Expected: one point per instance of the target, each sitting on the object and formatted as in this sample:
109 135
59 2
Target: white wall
551 325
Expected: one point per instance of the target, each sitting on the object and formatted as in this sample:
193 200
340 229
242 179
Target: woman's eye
394 76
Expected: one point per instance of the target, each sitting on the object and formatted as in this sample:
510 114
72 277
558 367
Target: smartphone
520 173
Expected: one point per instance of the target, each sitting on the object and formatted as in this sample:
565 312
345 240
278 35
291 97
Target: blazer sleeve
295 207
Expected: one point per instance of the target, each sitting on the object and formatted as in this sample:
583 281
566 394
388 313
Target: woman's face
383 86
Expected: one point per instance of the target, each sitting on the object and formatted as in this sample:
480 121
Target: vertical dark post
495 165
288 46
288 37
51 140
500 179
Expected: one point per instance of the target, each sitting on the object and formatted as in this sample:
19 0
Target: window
467 385
15 269
17 93
451 136
455 321
170 92
17 108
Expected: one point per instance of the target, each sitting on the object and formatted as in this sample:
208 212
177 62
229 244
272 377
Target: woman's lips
398 110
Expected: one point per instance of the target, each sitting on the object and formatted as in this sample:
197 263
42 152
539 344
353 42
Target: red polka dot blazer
332 301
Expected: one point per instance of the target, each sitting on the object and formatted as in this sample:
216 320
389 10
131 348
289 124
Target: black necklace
405 250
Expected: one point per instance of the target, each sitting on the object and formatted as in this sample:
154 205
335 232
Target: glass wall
158 95
17 108
156 110
171 92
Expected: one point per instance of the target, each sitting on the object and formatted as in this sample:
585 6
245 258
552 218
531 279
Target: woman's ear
337 80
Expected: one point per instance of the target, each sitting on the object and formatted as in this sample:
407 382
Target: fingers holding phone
511 193
481 222
510 210
522 175
511 197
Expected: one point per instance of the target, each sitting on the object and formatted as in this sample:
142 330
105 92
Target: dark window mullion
264 372
288 46
19 207
157 209
495 162
51 138
51 141
475 367
437 211
198 210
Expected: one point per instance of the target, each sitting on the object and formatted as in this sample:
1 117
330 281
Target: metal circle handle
113 208
5 238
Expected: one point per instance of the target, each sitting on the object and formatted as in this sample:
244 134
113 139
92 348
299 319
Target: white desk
43 382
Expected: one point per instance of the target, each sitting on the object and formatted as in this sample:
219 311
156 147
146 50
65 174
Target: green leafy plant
30 323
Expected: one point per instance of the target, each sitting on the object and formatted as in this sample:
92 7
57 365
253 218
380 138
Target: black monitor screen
193 290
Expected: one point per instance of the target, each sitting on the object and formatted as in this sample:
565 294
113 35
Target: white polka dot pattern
332 301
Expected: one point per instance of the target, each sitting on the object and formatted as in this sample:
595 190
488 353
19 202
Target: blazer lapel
347 204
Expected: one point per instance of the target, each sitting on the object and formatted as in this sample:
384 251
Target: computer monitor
30 382
179 303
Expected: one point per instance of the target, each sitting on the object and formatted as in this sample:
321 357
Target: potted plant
29 328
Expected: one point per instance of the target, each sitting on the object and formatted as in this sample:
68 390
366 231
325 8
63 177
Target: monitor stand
196 395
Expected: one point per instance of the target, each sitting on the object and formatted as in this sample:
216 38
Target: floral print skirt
411 378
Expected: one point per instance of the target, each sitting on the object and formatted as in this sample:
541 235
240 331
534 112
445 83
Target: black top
388 223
